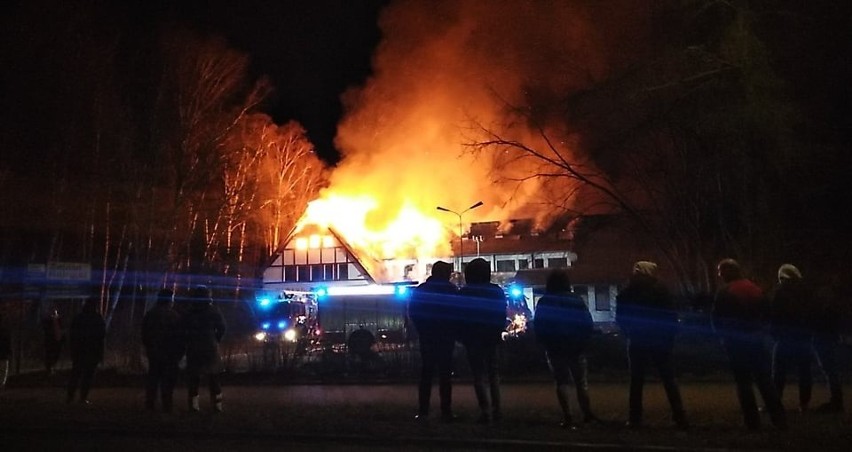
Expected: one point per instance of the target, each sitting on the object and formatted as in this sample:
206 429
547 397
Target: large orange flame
444 71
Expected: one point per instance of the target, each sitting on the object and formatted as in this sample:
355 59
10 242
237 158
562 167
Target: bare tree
688 144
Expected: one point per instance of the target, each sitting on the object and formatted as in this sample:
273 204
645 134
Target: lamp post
461 241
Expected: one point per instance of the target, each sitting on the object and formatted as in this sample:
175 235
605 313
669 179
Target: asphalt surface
34 416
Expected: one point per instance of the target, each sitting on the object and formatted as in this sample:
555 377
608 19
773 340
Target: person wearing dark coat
482 320
87 335
430 310
739 317
164 347
645 313
203 327
563 326
790 326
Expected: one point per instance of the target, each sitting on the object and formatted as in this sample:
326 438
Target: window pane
538 263
342 272
523 264
304 273
317 273
505 266
290 273
557 262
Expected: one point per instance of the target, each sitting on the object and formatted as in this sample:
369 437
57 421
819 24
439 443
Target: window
557 262
304 272
523 264
317 273
538 263
602 299
290 273
506 266
342 272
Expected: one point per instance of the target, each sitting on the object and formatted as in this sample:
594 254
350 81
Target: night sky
311 50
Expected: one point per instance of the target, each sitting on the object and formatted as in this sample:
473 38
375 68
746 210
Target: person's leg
758 360
73 381
780 364
428 362
167 385
743 379
826 350
444 363
152 381
215 391
476 360
4 372
804 358
665 365
580 375
87 375
493 366
637 357
193 382
558 363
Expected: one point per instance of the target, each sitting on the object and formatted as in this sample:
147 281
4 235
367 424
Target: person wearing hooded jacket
164 347
431 311
482 320
563 326
88 332
792 331
645 312
739 315
203 328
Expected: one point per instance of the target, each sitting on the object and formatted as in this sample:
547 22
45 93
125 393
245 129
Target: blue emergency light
265 325
515 292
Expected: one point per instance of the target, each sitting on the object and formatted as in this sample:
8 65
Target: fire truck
326 317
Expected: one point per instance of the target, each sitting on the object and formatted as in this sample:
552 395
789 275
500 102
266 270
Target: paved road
380 417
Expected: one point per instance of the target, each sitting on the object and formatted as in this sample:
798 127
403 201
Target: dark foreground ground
34 416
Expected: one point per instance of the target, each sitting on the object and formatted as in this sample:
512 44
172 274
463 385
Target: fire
367 226
445 71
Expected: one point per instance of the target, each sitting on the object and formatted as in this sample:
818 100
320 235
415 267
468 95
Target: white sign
69 271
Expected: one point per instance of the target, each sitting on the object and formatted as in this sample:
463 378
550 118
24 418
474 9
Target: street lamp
461 241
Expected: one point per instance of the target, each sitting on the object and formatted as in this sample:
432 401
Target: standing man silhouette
431 309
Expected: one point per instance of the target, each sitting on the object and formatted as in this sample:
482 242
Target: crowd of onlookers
802 322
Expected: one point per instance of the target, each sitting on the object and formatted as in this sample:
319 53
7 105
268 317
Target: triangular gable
315 245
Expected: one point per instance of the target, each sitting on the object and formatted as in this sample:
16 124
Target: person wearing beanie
789 313
645 313
203 328
739 312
